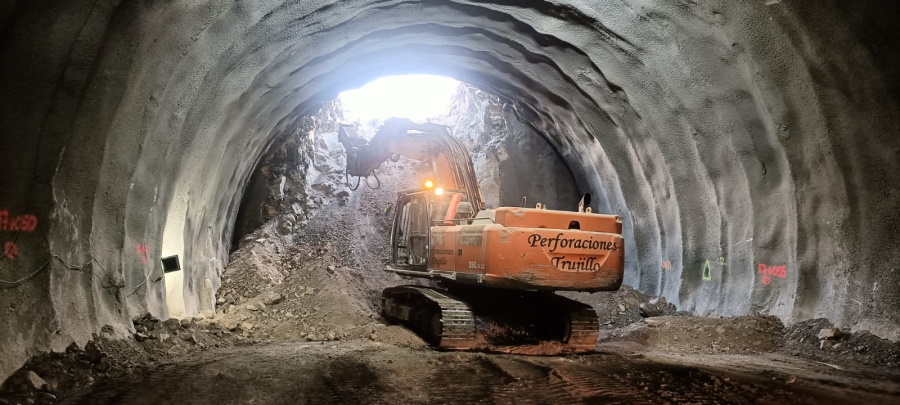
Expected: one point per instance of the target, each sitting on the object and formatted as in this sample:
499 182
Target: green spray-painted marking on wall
707 273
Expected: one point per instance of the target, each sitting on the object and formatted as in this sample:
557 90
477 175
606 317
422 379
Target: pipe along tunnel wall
751 147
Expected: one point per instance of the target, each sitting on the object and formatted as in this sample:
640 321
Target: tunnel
752 149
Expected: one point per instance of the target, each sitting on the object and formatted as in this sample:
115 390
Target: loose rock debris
362 372
56 374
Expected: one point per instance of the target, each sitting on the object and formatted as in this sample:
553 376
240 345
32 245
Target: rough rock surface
280 182
763 133
511 159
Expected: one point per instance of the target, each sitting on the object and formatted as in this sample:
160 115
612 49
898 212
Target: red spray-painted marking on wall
11 250
143 250
771 271
24 223
666 265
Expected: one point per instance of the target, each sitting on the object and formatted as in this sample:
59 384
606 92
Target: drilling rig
498 269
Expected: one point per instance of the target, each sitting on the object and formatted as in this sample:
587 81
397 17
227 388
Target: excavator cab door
409 240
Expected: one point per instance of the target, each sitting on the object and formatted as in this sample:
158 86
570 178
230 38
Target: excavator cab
409 240
416 212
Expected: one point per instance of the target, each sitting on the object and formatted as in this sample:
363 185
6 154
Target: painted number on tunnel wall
143 250
10 250
666 265
771 271
21 223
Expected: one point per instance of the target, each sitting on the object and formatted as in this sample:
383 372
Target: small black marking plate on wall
170 264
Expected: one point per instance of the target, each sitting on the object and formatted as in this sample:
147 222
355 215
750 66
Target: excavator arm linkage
431 143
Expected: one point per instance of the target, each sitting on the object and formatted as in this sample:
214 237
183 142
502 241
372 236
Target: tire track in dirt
363 372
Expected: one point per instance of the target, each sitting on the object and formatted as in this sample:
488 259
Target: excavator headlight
429 184
439 191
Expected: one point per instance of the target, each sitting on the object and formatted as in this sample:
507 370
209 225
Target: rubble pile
26 386
820 340
688 334
51 375
617 309
323 281
174 337
656 307
331 291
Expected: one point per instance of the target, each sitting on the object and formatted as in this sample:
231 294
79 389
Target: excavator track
436 316
585 327
499 320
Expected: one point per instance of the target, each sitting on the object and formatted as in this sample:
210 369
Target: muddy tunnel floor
362 372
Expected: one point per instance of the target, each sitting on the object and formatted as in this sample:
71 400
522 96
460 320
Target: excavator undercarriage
498 320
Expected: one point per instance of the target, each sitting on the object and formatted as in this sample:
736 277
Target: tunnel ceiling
751 147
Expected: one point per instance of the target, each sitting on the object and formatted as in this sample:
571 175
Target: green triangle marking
707 274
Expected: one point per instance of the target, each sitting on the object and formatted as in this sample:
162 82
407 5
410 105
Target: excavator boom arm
430 143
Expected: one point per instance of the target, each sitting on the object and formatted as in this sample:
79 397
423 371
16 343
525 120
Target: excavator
498 270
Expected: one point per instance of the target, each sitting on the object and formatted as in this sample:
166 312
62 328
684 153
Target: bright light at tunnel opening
417 97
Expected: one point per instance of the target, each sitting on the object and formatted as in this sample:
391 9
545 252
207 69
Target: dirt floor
642 363
366 372
297 321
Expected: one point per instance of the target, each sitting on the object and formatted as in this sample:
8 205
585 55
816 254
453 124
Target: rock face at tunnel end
751 148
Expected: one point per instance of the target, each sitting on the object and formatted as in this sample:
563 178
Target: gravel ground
365 372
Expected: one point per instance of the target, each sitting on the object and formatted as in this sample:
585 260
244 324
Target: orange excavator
498 268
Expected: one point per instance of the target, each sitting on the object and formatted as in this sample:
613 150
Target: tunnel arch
716 131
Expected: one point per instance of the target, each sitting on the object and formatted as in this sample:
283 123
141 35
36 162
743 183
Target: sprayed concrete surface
751 147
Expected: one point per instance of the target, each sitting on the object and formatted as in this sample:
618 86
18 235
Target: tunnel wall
752 148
